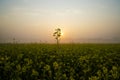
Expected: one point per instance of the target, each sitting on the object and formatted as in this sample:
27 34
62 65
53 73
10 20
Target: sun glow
62 33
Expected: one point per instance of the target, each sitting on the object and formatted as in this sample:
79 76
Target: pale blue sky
80 20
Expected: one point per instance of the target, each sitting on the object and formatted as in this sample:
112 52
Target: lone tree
57 35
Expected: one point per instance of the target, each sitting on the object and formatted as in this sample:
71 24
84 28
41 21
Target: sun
62 33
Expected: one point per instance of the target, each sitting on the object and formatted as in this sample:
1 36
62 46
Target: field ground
66 62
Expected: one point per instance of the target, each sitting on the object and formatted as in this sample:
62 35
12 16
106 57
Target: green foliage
57 34
69 62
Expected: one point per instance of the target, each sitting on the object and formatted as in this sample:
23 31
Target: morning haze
79 20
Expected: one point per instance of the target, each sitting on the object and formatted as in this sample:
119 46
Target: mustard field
63 62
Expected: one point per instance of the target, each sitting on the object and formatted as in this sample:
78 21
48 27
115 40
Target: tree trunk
57 42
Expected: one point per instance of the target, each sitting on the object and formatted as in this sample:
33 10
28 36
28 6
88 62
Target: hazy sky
80 20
